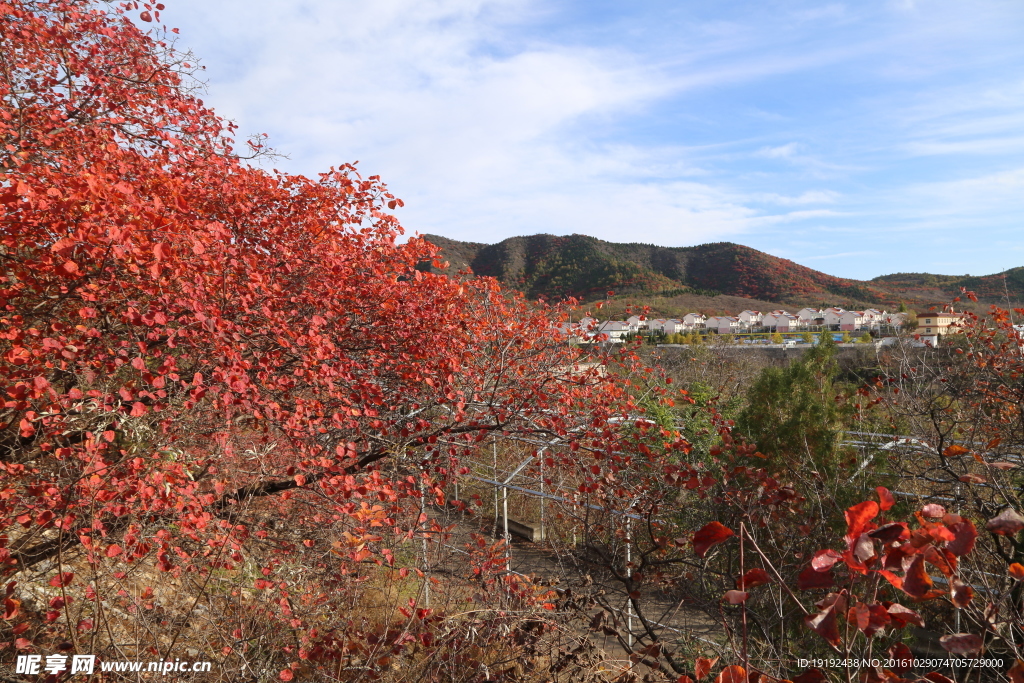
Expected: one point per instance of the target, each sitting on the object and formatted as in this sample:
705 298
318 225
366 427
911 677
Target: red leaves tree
226 391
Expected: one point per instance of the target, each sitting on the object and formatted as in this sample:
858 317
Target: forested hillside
554 267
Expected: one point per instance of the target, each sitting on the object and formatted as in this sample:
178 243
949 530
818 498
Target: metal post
494 444
508 539
629 575
423 528
543 535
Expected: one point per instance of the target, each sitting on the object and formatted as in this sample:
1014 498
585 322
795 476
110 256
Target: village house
850 321
723 324
809 316
781 321
694 321
938 323
832 317
637 323
615 329
750 319
873 318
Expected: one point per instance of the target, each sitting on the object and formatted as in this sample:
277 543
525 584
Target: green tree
846 338
807 337
776 338
865 338
792 414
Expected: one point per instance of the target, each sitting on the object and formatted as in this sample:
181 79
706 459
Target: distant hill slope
555 267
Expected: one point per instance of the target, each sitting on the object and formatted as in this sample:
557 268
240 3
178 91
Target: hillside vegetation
715 277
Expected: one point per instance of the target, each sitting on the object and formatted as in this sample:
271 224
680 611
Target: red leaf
933 510
68 268
916 582
11 608
955 450
62 579
735 597
961 643
903 658
22 643
891 532
286 675
964 535
961 594
712 534
859 517
824 624
809 579
113 550
972 479
885 498
1003 466
896 581
702 667
755 577
732 674
824 559
904 615
1007 523
1017 570
146 16
869 618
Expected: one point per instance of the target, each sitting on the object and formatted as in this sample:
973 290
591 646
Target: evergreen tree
792 413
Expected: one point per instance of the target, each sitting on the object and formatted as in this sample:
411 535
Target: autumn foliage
225 389
233 405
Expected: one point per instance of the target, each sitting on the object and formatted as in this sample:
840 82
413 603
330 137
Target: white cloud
489 122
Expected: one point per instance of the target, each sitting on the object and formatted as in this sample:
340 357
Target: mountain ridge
556 267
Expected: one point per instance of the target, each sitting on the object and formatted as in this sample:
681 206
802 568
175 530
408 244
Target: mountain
555 267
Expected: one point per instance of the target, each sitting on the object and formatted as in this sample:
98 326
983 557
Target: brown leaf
825 625
1007 523
904 615
961 643
890 532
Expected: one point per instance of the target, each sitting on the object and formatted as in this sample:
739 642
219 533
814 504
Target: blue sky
858 138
